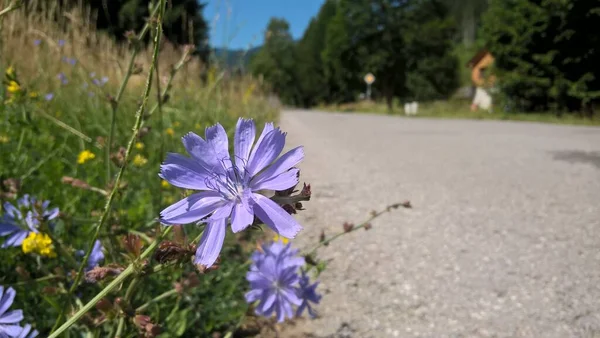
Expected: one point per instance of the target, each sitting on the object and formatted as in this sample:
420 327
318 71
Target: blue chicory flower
307 292
63 78
18 222
9 320
27 332
49 96
275 284
37 42
69 60
229 188
61 42
96 256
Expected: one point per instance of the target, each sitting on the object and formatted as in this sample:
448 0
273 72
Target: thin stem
117 99
128 295
355 228
11 7
68 128
174 71
116 282
37 280
156 300
113 193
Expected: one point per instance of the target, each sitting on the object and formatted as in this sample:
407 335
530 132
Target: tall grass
41 143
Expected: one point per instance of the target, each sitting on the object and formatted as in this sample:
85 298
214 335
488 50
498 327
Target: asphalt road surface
503 239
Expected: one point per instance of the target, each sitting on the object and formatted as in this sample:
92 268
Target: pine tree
546 53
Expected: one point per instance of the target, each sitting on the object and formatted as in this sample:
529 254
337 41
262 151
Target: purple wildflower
63 78
96 256
273 281
307 292
37 42
229 188
61 42
69 60
49 96
275 284
96 82
19 221
27 333
9 320
104 80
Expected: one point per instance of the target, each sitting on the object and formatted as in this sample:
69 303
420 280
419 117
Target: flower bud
104 305
348 226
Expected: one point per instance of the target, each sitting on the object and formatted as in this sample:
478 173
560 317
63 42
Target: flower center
231 183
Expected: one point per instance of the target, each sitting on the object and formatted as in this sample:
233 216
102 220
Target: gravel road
503 239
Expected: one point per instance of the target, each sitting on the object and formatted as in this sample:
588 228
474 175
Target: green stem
113 193
131 269
156 300
128 295
355 228
13 5
37 280
68 128
116 282
117 99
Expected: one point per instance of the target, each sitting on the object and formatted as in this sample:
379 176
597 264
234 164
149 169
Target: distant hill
233 58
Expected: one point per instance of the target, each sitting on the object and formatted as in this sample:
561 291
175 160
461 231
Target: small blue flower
37 42
96 256
307 292
27 333
63 78
229 187
49 96
61 42
275 284
69 60
9 320
18 222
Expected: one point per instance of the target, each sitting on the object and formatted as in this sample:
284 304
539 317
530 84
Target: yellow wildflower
165 184
10 71
84 156
176 124
4 139
281 238
170 131
139 146
13 87
139 160
33 95
38 243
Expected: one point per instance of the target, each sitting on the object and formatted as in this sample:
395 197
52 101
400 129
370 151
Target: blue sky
239 23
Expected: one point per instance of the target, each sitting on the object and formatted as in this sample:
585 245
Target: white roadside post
369 79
